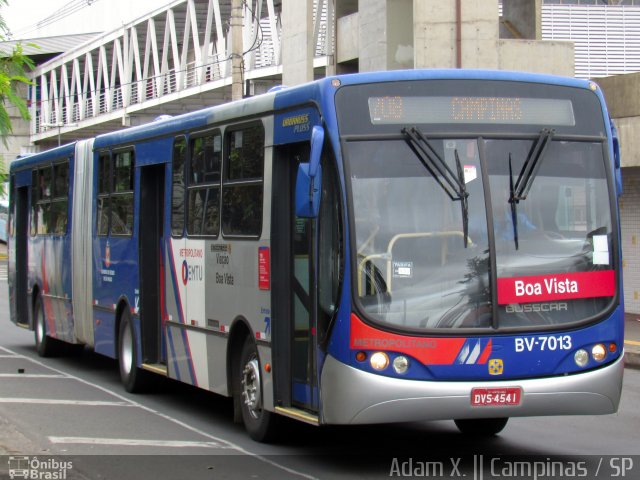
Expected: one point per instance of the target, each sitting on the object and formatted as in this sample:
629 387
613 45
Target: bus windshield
415 267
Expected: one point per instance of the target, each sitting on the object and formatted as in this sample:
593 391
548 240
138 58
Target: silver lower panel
351 396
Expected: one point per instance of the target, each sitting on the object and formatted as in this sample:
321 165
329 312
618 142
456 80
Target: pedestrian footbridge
173 60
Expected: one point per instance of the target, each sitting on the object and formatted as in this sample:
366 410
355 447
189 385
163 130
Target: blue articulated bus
370 248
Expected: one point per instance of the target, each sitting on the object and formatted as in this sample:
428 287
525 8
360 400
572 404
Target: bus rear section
484 254
40 246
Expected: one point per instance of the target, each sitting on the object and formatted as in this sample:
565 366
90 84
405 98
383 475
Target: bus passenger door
18 240
152 183
293 303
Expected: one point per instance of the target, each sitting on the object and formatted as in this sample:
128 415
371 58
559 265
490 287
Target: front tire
46 346
259 423
481 427
134 379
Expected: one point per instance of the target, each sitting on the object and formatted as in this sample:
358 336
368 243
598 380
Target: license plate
489 397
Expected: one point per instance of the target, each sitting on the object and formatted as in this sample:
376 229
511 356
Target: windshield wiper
513 202
527 175
531 165
452 184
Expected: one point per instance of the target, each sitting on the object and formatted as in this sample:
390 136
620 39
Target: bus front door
294 283
303 302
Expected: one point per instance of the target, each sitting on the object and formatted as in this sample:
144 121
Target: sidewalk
632 340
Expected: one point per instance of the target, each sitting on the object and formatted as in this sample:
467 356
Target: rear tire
260 424
134 379
481 427
46 346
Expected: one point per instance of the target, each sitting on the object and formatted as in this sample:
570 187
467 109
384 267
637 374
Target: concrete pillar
297 42
385 34
236 50
522 19
443 41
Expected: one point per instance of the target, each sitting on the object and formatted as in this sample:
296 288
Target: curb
631 357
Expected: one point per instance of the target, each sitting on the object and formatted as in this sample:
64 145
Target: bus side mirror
616 158
309 179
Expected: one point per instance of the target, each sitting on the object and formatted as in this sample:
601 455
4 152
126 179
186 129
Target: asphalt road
75 407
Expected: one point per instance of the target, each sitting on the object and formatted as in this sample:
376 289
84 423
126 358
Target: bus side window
33 228
60 199
178 186
104 189
122 196
242 190
12 207
203 213
330 254
43 204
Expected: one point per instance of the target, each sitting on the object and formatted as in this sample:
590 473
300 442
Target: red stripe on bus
428 350
485 353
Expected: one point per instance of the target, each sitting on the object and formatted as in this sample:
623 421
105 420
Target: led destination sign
471 110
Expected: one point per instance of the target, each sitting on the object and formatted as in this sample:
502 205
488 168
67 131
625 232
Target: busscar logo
537 307
496 366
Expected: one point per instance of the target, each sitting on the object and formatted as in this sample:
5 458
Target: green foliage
14 67
13 72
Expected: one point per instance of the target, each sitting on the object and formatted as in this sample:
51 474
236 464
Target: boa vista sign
560 286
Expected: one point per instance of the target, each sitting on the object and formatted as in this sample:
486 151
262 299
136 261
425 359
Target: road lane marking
9 356
133 442
632 342
175 421
31 375
55 401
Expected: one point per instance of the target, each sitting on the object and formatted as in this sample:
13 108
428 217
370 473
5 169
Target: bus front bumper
351 396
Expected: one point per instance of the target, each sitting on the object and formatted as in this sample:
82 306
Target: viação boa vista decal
560 286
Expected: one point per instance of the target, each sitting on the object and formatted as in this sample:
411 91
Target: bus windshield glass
441 241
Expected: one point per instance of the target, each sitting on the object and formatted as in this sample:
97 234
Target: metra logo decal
561 286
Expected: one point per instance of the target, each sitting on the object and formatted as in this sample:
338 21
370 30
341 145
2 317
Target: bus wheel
481 427
259 423
133 378
46 346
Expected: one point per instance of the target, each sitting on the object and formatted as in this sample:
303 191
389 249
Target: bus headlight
598 352
401 364
379 361
581 357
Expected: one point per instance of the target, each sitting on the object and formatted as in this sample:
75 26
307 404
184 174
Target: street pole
59 126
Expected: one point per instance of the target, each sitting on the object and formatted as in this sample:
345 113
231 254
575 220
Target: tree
13 72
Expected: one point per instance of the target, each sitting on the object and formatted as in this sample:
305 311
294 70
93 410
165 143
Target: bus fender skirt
352 396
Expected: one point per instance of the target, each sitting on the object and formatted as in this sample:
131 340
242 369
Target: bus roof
304 94
288 98
42 157
460 74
